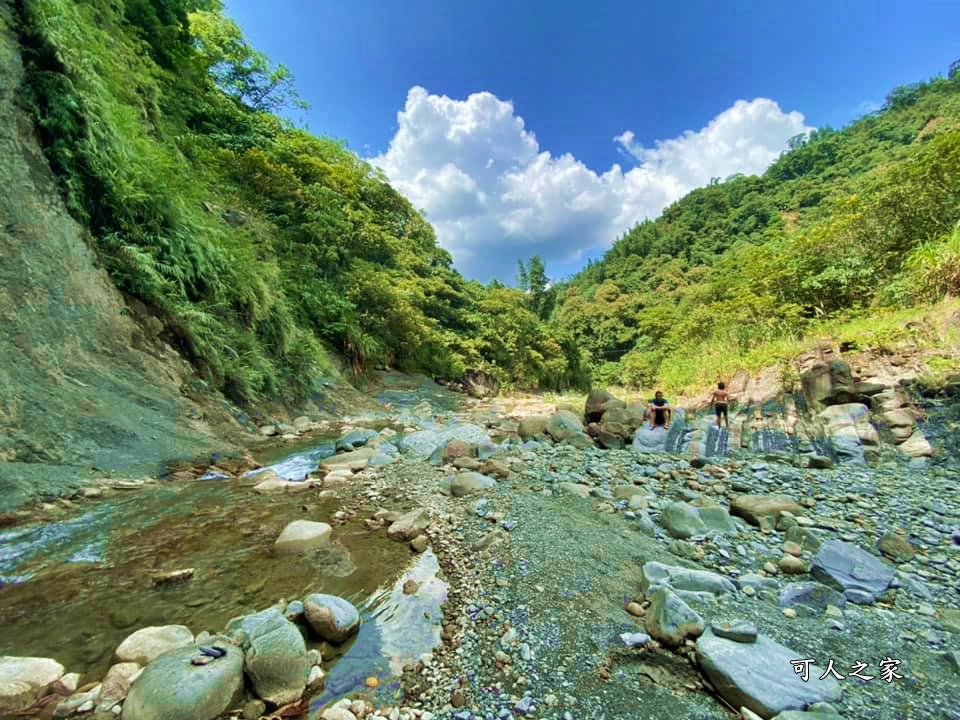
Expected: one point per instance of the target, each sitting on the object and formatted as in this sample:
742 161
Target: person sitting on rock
660 411
720 400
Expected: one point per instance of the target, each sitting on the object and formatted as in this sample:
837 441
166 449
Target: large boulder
760 675
148 643
302 535
173 688
594 406
423 443
564 425
468 483
23 680
275 655
846 567
829 384
848 428
683 521
331 617
532 427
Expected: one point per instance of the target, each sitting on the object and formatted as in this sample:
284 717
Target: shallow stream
74 589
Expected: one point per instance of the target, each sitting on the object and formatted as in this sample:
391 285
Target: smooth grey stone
810 599
173 688
760 675
861 577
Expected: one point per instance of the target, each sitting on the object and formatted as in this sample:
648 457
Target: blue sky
552 127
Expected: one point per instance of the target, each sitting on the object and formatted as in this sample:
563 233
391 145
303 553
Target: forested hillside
848 224
263 247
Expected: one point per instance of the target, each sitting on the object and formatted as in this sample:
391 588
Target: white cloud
494 197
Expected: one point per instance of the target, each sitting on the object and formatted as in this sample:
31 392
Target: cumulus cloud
494 196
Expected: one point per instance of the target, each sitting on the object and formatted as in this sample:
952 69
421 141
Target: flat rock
760 676
468 483
331 617
578 489
810 599
146 644
670 620
279 485
654 575
354 460
846 567
740 631
408 526
753 508
25 679
172 688
895 546
302 535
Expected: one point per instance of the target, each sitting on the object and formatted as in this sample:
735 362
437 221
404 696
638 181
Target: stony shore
595 583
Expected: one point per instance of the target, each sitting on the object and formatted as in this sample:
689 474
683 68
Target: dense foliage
846 224
260 245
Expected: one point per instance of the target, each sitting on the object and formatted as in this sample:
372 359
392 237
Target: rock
332 618
593 408
116 684
172 688
302 424
670 620
612 436
792 565
895 546
423 443
302 535
754 508
829 384
564 425
810 599
740 631
655 575
681 520
635 639
860 576
23 680
275 655
146 644
819 462
916 446
468 483
532 427
419 543
354 439
817 711
848 428
578 489
408 526
355 460
280 485
760 675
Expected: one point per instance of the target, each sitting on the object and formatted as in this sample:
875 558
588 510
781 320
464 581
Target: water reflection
397 629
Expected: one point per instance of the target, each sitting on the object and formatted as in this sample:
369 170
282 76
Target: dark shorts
720 409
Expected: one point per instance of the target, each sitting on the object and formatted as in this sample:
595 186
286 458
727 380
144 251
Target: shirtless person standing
721 398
